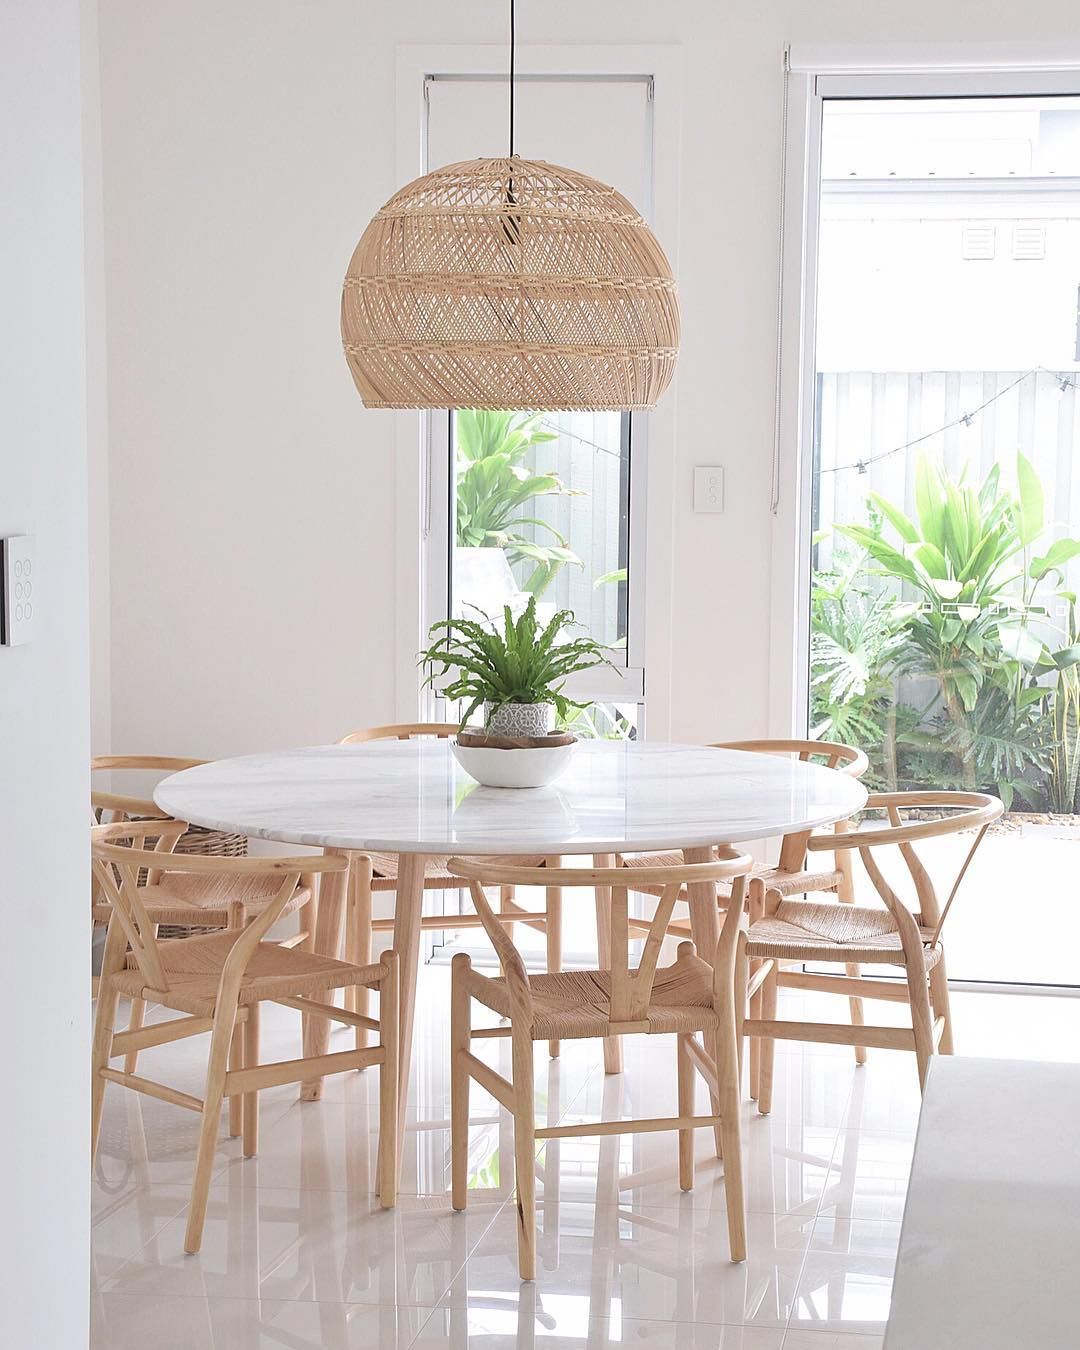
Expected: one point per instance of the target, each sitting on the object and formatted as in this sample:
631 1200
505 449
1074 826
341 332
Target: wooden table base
328 942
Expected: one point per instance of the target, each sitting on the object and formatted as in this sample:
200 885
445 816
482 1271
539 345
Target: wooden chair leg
524 1152
389 1133
855 1005
135 1021
727 1073
237 920
742 976
250 1100
236 1104
220 1044
613 1060
112 961
685 1069
309 914
939 998
358 938
553 934
755 1041
99 1059
459 1080
138 1013
922 1020
767 1058
845 893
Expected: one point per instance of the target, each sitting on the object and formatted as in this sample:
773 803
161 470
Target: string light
581 440
862 465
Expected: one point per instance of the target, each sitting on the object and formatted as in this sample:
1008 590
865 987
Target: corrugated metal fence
863 415
589 456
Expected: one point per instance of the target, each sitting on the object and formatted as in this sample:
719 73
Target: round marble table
412 798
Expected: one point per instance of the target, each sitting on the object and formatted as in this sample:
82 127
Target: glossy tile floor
297 1253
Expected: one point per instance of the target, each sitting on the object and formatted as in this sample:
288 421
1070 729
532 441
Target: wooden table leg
327 942
407 909
705 930
613 1057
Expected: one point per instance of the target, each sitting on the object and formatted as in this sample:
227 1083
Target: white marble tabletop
413 797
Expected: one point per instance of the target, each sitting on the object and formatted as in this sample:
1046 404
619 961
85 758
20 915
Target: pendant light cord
512 50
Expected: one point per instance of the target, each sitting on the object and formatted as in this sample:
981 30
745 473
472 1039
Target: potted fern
516 672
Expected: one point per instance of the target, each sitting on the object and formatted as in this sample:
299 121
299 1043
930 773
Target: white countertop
990 1248
413 797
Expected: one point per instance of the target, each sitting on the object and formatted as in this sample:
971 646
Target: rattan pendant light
509 284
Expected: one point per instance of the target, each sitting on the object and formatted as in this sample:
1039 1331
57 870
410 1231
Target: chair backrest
834 754
112 807
949 813
631 989
401 731
124 868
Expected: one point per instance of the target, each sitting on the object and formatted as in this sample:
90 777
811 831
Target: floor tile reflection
297 1252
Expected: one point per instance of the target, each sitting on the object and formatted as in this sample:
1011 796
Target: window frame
661 64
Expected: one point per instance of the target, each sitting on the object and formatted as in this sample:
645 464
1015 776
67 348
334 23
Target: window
546 504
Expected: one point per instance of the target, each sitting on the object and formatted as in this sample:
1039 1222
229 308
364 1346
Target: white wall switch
709 489
19 590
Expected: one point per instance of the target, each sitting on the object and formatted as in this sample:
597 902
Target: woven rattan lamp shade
509 283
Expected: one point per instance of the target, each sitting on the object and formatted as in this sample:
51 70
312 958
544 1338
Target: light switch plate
709 488
19 590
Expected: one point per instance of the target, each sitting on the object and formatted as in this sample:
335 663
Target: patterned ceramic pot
519 719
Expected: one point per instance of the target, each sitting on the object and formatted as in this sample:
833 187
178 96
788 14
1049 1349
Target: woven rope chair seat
194 965
436 877
787 883
577 1003
203 900
802 930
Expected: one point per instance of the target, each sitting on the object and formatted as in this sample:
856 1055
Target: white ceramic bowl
531 768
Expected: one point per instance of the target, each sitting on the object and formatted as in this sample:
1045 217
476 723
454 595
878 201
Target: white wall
97 423
44 739
253 500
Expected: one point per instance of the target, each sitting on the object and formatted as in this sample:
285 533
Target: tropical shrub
1063 697
494 486
957 600
855 638
960 556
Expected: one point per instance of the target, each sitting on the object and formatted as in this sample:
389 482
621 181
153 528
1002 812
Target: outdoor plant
855 638
968 597
522 663
600 722
494 486
961 557
1063 697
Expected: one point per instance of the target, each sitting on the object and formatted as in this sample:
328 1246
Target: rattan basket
208 844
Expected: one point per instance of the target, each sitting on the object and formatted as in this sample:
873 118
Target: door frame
813 74
420 467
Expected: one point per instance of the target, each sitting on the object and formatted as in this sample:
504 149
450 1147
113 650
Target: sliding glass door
945 496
